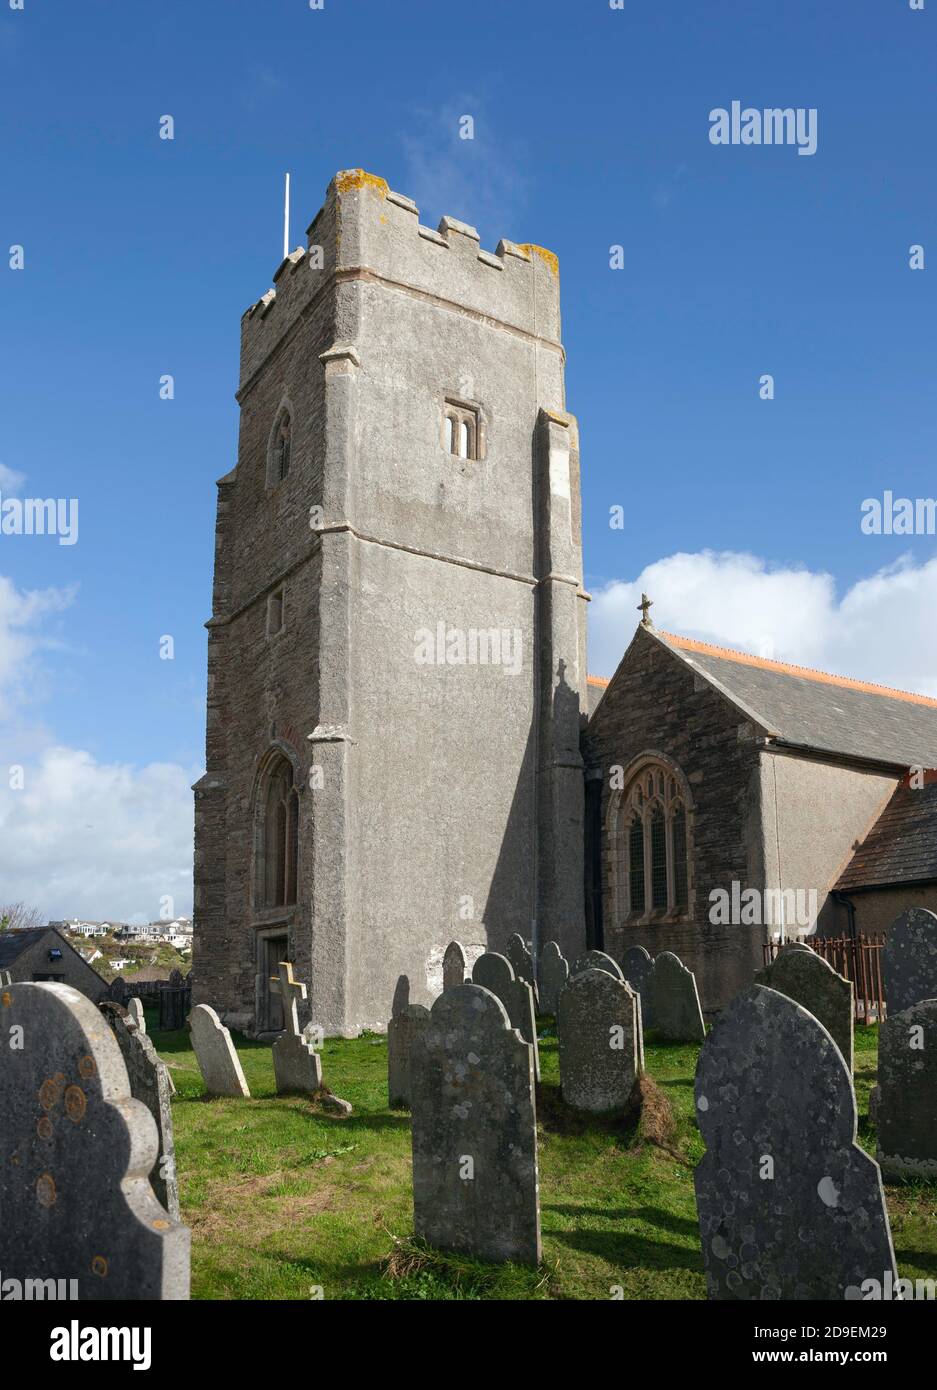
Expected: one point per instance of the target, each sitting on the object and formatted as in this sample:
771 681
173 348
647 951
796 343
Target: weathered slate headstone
135 1010
495 972
637 966
598 1025
297 1065
906 1112
151 1084
453 966
76 1151
909 960
812 982
554 972
518 953
595 960
214 1051
475 1185
119 991
407 1021
175 1003
675 1005
790 1207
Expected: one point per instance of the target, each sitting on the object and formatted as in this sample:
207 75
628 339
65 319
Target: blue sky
592 130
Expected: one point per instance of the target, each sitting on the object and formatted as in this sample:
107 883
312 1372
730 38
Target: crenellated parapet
366 231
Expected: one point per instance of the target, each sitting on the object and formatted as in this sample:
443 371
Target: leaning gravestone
475 1186
76 1151
906 1114
495 972
909 960
790 1207
214 1051
135 1010
637 966
554 972
595 960
812 982
406 1023
297 1065
598 1025
150 1083
453 966
675 1005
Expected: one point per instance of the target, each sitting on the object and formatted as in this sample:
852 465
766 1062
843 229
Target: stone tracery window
650 844
278 837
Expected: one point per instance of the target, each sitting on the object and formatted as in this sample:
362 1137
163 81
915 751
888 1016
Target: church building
399 744
733 801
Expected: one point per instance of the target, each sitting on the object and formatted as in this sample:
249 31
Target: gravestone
637 966
675 1005
906 1110
554 972
76 1151
5 978
790 1207
475 1185
119 991
812 983
407 1021
909 960
135 1010
214 1051
297 1065
175 1003
595 960
453 966
495 972
598 1025
151 1084
518 953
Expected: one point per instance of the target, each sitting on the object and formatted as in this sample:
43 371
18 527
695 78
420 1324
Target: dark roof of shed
14 943
902 845
827 713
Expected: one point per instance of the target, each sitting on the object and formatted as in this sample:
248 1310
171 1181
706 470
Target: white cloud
10 480
88 838
477 181
98 839
80 836
21 611
882 629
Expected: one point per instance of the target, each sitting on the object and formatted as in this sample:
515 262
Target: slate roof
902 845
14 943
831 714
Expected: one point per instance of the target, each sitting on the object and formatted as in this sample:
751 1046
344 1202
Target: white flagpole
286 219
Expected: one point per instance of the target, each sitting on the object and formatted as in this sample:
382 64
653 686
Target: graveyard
282 1197
546 1130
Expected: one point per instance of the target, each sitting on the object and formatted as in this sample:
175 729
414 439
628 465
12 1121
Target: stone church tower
397 646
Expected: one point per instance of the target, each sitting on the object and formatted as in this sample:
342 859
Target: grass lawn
282 1197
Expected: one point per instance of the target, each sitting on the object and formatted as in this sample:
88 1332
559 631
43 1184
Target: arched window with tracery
649 843
278 836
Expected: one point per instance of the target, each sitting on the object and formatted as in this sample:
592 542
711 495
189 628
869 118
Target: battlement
366 231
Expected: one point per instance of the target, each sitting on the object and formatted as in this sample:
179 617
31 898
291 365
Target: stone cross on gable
292 993
644 608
